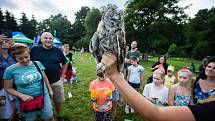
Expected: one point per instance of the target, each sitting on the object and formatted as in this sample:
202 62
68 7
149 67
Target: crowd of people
31 78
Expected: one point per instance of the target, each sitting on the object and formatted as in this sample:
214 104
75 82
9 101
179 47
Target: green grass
78 108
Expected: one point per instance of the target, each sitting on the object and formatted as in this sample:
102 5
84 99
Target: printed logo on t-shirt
30 77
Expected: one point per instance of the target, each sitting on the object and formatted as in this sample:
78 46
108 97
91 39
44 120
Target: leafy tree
154 24
91 22
33 25
25 26
78 26
200 34
61 26
10 22
2 22
44 26
173 50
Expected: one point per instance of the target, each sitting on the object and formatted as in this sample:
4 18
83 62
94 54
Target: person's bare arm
141 104
128 75
141 78
170 96
8 85
155 68
48 85
64 68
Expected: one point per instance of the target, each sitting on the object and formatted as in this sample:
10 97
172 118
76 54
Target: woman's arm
141 104
128 76
155 67
48 85
141 79
8 85
170 96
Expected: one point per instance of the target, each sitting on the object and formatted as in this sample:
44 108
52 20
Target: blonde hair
189 73
159 72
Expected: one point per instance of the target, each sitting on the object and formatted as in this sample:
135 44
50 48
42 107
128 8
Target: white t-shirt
135 73
160 94
6 107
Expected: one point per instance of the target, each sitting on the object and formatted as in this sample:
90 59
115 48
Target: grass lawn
78 108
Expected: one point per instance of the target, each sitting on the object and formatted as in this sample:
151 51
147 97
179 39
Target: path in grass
78 108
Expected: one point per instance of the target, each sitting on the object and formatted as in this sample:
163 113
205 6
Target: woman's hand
156 67
110 62
26 98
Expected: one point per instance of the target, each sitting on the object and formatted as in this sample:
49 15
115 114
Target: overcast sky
43 9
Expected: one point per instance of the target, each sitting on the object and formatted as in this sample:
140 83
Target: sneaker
132 110
127 109
119 103
69 94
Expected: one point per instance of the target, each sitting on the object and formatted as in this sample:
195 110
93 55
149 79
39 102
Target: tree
91 22
2 22
78 26
154 24
61 26
200 34
25 26
10 22
33 25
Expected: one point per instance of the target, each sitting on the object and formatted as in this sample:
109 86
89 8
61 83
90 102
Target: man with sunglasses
7 102
52 58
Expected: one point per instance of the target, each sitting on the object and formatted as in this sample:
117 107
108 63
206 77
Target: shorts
46 112
103 116
115 96
58 91
68 74
135 85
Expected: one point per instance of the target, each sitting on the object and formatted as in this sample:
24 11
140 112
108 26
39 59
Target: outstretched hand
110 62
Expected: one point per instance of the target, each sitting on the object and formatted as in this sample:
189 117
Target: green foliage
2 22
173 50
91 22
78 28
154 24
60 26
26 26
200 49
200 34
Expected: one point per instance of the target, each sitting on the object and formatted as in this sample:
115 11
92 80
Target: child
68 73
101 94
180 93
156 92
170 79
134 78
7 105
74 75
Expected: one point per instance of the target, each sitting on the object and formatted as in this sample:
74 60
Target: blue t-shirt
26 78
4 63
135 73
